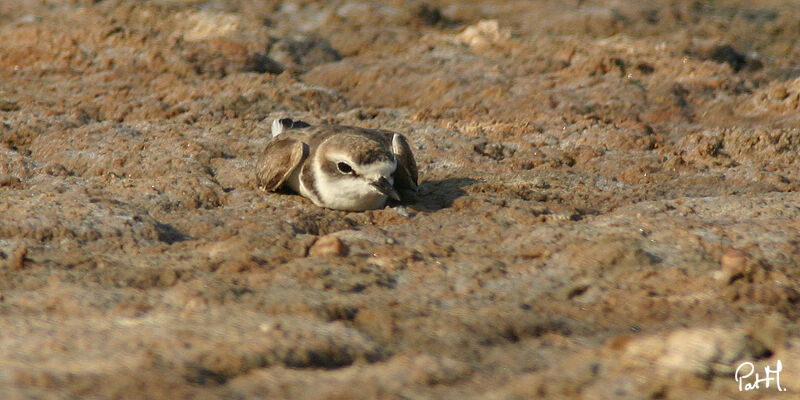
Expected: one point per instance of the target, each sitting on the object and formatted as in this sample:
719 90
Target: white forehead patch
377 170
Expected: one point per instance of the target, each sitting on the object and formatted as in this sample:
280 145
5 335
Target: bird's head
356 171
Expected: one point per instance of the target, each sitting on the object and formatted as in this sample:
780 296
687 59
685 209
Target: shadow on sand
439 194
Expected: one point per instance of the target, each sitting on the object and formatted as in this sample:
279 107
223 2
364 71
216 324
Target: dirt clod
327 246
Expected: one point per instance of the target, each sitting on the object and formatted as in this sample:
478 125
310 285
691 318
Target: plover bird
338 167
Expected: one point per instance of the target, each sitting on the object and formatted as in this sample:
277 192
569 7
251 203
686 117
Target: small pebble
16 258
733 259
685 210
8 180
403 211
540 183
327 246
779 94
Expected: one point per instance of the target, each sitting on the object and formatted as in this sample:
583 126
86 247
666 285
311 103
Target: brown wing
405 177
280 158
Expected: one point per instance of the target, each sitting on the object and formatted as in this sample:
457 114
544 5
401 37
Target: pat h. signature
747 382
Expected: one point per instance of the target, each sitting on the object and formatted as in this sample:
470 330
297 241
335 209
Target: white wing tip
280 125
277 127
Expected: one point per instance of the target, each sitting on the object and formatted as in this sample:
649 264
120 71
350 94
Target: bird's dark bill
386 188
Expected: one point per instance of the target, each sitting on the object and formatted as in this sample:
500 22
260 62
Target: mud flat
609 203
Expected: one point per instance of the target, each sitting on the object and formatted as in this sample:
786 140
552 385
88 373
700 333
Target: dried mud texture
608 204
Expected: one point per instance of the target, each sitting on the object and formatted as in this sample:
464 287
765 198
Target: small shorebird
339 167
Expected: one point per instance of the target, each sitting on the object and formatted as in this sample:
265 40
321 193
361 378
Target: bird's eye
344 168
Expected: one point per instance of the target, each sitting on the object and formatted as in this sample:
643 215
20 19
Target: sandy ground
609 203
